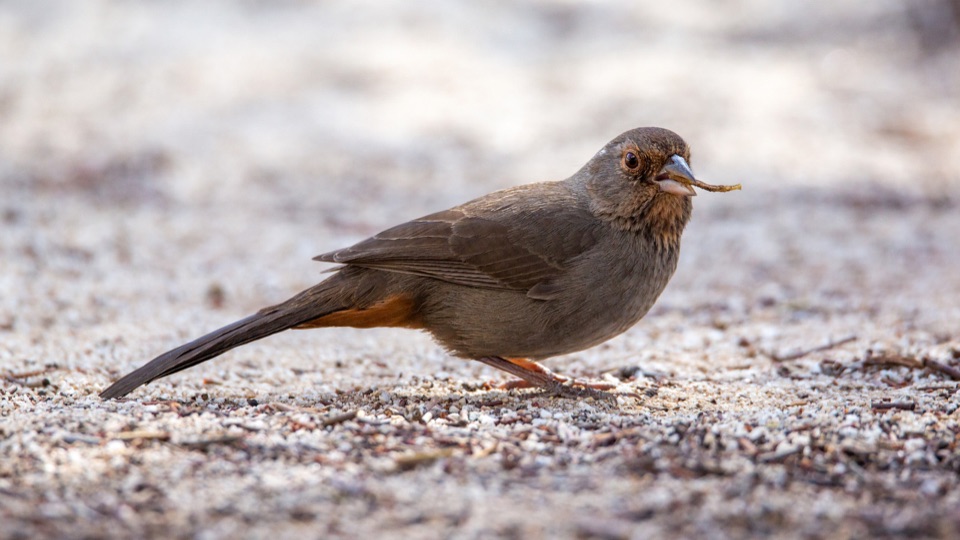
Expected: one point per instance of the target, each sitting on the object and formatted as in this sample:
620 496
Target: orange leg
534 375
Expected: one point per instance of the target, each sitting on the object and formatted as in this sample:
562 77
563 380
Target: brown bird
513 277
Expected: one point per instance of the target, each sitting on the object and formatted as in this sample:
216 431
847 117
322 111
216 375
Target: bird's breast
619 290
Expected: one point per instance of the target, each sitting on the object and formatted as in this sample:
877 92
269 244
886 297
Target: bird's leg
536 375
532 374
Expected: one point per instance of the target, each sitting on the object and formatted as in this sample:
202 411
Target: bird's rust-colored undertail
397 311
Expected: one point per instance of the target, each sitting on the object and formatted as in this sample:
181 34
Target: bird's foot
534 375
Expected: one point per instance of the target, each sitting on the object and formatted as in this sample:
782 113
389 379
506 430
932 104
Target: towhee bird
507 279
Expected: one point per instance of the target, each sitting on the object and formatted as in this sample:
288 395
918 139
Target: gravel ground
167 168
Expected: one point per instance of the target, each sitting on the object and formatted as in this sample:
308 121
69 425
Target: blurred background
330 106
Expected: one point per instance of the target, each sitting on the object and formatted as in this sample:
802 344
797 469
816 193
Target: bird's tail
306 306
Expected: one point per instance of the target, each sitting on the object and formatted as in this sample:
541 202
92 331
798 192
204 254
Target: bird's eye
630 161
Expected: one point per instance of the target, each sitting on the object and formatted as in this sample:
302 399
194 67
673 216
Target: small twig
719 188
204 443
806 426
412 461
142 434
32 384
72 438
171 405
282 407
949 371
779 455
800 354
939 387
28 374
912 363
21 378
892 360
338 418
887 405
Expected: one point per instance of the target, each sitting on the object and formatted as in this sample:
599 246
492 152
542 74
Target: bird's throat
666 217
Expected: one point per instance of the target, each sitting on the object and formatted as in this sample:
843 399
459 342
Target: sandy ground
167 168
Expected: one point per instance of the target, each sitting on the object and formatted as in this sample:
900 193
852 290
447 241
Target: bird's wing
518 239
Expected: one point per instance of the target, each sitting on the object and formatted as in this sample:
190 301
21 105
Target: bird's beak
675 177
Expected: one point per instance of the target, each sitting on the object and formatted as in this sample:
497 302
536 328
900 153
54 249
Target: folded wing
492 242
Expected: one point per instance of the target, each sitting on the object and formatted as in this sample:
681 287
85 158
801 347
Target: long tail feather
304 307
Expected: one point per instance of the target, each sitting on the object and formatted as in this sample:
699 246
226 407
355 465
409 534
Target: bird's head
641 180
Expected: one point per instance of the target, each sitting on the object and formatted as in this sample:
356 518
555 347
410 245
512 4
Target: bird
508 279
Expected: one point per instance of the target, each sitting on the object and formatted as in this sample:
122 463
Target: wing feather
514 239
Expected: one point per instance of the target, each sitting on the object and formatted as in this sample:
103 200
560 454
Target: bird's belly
594 307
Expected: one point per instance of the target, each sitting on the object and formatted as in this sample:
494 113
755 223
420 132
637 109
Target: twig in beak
710 187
